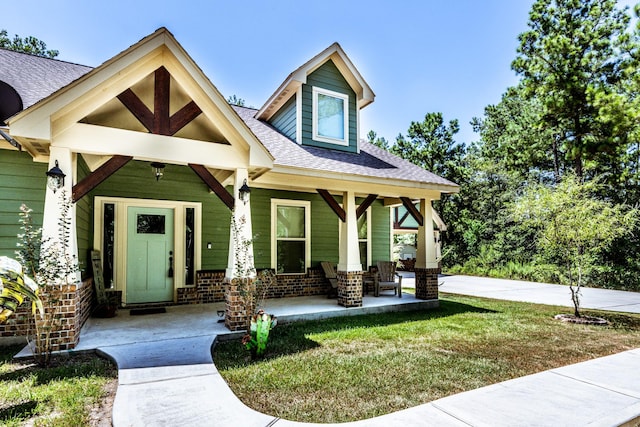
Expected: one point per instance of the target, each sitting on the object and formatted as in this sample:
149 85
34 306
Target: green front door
150 255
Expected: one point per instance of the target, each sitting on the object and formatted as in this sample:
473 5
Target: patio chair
385 278
332 277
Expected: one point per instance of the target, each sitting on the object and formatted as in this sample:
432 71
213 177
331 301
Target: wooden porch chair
332 277
385 278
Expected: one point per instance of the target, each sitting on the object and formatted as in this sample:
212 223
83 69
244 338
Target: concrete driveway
540 293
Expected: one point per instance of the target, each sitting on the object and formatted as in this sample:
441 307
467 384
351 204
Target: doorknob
170 274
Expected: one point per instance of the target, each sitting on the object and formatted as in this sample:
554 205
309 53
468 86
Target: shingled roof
35 77
371 162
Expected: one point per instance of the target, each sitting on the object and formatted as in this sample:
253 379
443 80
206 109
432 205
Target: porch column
349 267
240 260
53 211
427 267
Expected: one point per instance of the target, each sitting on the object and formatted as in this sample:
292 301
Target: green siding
328 77
84 224
285 119
21 181
180 183
380 232
324 227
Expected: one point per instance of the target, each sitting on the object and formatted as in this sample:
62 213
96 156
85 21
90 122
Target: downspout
10 140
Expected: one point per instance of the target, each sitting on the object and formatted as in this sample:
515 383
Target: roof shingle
371 162
35 77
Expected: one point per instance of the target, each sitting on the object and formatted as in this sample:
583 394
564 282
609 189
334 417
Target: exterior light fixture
55 178
244 191
158 169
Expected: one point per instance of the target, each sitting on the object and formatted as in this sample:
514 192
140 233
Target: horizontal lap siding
328 77
84 223
285 119
21 181
324 226
136 180
380 232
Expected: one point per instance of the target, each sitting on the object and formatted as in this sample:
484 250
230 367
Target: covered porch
193 320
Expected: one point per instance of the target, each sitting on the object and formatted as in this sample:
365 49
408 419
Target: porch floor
184 321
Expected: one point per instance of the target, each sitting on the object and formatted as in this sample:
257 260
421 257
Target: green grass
61 395
353 368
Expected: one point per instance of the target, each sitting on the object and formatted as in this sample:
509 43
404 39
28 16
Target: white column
53 207
426 250
349 255
240 261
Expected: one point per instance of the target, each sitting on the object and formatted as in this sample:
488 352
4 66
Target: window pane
290 222
291 256
362 227
150 224
363 255
190 248
330 116
107 244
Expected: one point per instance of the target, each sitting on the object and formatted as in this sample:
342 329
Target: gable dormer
319 103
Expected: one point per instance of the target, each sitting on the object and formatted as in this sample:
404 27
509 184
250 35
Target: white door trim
120 236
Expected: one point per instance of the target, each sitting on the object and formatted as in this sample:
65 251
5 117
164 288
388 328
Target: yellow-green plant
15 287
573 227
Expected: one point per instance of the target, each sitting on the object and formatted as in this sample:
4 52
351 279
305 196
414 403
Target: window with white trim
330 116
364 237
290 236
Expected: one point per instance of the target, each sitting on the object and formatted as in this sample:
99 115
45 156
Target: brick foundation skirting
350 288
427 283
210 286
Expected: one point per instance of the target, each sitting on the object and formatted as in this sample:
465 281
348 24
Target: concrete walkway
173 382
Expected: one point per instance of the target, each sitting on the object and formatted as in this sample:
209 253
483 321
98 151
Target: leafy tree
512 136
381 142
572 54
234 100
29 45
431 145
573 227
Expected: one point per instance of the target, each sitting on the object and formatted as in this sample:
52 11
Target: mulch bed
582 320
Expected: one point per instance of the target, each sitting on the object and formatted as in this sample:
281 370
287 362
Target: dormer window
330 116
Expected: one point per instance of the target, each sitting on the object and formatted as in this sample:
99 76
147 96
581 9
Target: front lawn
353 368
72 392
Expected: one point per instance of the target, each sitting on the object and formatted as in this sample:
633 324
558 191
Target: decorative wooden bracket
397 222
158 121
213 184
415 213
92 180
333 204
365 205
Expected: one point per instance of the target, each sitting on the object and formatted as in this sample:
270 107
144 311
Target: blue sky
418 56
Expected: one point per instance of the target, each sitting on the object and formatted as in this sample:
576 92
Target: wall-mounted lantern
55 178
244 191
158 170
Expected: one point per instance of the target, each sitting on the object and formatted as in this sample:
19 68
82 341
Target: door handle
170 273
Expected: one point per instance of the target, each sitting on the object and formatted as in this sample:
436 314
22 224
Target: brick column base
235 316
350 288
427 283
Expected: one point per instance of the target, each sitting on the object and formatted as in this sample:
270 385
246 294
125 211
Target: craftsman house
157 163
